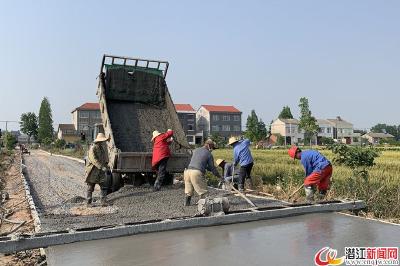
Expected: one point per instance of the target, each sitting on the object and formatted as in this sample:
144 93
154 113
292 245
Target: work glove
104 168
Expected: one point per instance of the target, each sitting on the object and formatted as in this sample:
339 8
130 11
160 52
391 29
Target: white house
289 129
343 131
325 130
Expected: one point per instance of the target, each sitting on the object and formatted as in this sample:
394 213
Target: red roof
88 107
184 107
221 108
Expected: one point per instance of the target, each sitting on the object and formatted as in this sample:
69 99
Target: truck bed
133 123
135 101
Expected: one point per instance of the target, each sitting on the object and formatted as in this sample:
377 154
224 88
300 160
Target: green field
281 176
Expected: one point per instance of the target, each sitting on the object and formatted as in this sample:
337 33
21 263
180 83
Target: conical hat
100 137
232 140
155 134
219 161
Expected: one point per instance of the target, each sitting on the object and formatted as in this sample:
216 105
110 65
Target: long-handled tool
243 196
240 193
297 190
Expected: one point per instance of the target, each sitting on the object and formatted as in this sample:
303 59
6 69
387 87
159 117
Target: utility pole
9 121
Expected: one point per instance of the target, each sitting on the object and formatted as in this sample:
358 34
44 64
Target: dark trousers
245 172
161 170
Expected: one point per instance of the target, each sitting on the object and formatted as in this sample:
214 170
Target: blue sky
342 55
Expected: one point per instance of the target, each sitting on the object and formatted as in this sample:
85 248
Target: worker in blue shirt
318 171
242 156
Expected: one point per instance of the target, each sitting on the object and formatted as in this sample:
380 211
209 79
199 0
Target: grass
275 172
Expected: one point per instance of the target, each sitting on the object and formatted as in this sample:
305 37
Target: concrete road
286 241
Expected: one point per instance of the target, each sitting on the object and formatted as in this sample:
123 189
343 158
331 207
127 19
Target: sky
342 55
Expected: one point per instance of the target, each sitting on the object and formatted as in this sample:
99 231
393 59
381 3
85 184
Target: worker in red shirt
161 154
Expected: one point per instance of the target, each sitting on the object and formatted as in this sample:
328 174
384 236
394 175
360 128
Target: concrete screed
285 241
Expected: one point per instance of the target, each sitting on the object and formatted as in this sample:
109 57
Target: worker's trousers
244 173
194 180
321 179
161 168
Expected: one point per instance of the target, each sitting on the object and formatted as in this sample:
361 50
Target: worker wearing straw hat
161 154
96 168
242 156
228 173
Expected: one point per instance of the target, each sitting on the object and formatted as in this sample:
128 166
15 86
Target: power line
8 121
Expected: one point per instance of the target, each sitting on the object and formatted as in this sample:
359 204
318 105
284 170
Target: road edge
32 207
64 156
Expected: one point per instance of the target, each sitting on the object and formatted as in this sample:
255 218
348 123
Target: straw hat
155 134
219 161
232 140
100 138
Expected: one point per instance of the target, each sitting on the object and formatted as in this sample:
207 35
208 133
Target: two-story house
343 131
85 117
187 118
325 130
289 129
225 121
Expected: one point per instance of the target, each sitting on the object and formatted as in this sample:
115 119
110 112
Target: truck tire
151 178
116 182
169 179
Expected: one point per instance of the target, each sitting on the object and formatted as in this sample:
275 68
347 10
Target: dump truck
134 101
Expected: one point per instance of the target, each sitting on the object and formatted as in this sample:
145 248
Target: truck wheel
169 179
151 178
116 182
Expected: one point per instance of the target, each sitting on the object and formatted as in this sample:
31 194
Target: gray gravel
58 188
53 179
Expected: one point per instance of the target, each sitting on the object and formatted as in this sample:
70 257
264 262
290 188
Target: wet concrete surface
285 241
58 188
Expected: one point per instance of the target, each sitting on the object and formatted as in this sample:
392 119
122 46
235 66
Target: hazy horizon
342 55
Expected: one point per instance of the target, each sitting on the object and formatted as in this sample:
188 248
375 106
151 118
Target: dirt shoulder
15 212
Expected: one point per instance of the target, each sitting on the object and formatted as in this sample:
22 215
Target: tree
218 139
280 140
29 125
9 141
285 113
307 122
45 130
357 158
256 129
60 143
383 128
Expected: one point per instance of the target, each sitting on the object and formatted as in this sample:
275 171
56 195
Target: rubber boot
89 198
309 194
187 200
251 186
103 195
321 194
157 185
